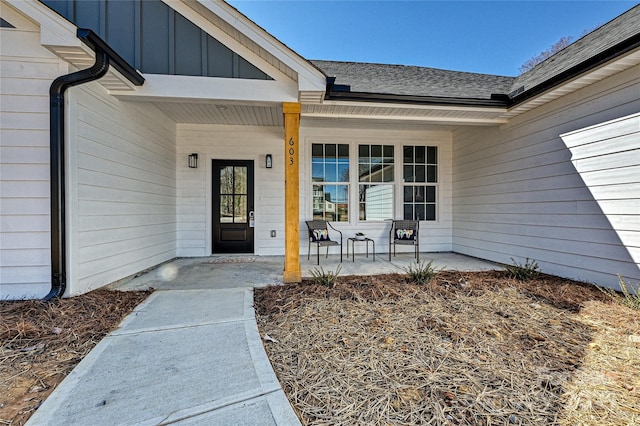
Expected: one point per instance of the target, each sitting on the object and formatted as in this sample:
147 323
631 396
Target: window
330 176
375 177
420 168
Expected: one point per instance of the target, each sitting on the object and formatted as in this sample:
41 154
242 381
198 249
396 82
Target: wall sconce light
268 162
193 161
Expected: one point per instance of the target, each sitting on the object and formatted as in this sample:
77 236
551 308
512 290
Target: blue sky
493 37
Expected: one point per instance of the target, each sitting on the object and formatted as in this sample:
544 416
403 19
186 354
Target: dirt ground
465 349
40 343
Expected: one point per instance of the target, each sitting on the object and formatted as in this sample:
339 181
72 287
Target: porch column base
292 276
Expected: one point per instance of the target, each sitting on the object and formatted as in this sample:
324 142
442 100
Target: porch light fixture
268 162
193 161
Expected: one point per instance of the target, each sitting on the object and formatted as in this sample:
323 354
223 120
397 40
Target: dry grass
466 349
40 343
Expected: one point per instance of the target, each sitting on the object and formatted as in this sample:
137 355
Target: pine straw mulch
40 343
466 349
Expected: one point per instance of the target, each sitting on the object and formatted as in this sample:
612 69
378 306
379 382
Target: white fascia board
497 110
436 120
186 88
54 29
309 77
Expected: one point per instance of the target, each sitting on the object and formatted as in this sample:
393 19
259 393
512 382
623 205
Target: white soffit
59 36
620 64
220 113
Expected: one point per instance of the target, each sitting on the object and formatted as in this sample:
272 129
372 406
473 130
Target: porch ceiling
222 113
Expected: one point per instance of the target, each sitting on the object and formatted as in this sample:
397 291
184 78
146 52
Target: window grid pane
376 165
376 202
331 202
420 167
330 164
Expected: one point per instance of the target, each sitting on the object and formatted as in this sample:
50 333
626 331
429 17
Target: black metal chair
319 235
404 232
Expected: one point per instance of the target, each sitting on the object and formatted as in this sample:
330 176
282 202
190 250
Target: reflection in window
376 202
375 168
233 194
420 166
330 166
331 202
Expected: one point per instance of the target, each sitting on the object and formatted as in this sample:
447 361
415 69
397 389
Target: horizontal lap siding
517 193
123 191
194 185
614 181
26 71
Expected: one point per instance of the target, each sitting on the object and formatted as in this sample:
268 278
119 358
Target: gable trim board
134 203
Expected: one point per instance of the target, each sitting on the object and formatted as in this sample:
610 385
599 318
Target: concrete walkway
191 353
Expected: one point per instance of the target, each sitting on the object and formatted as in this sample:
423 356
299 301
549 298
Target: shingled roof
624 27
413 81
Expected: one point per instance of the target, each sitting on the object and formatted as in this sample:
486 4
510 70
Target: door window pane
226 208
240 209
226 180
240 180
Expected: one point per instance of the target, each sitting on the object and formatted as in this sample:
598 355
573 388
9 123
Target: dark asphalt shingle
414 81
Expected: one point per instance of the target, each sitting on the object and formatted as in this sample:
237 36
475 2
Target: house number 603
291 152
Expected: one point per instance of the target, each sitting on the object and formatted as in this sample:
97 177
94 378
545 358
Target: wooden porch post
292 273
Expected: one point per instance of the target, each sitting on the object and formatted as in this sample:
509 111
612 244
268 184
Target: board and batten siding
517 193
435 236
122 187
26 72
194 186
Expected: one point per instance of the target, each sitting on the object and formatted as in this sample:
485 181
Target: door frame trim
208 164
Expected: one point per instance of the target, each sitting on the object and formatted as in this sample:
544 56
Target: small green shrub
328 278
420 272
526 272
629 296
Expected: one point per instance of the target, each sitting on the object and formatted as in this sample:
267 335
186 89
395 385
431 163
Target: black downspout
57 160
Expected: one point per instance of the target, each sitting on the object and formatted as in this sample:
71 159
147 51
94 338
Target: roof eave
612 53
92 40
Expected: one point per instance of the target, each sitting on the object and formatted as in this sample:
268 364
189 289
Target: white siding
120 176
194 185
607 156
122 187
517 193
26 71
434 236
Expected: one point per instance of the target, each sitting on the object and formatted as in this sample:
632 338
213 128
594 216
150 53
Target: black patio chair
404 232
319 235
